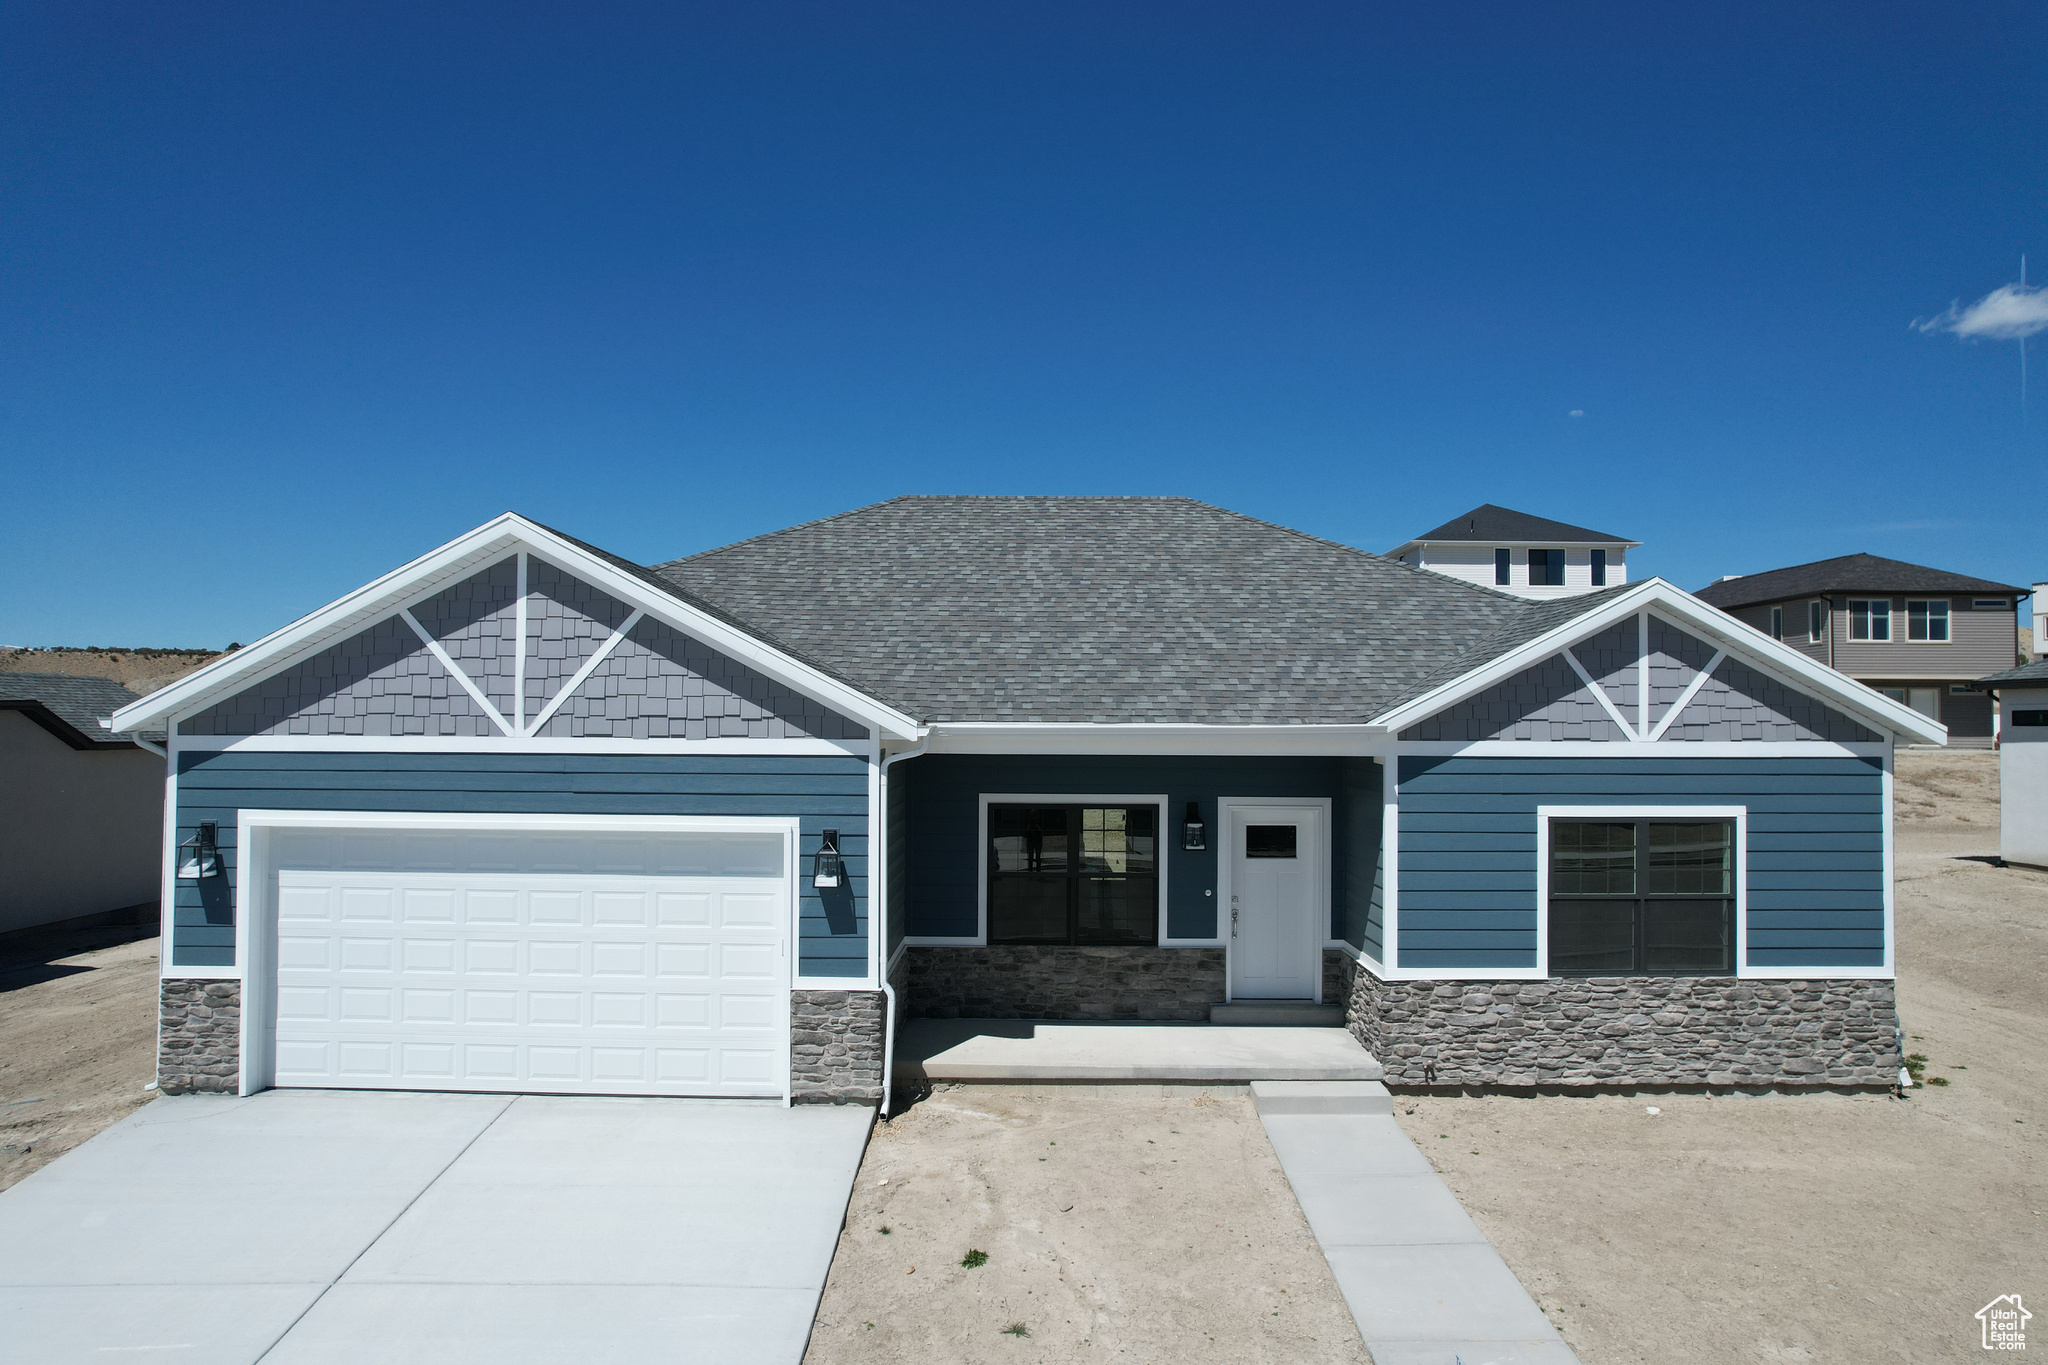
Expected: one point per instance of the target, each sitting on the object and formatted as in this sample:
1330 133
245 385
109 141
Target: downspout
889 991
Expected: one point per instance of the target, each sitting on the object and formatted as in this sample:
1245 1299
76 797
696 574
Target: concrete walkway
304 1226
1034 1050
1424 1284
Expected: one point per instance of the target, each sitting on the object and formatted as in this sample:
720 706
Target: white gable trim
1754 648
430 573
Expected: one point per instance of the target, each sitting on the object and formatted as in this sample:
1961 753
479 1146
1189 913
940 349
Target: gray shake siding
823 791
382 681
660 684
477 622
1549 701
656 684
1468 850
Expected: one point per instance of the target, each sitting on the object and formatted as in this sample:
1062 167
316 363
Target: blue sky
290 295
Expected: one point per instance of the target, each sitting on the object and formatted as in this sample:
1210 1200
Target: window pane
1880 620
1916 620
1269 841
1691 860
1028 907
1777 623
1119 839
1937 620
1592 860
1119 909
1813 622
1500 567
1599 568
1688 935
1027 838
1592 936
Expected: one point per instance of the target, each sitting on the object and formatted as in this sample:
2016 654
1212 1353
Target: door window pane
1269 841
1592 859
1592 935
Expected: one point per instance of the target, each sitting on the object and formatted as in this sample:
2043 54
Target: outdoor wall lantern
830 872
201 854
1193 833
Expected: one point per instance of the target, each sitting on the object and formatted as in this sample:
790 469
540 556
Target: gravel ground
1117 1227
77 1044
1804 1228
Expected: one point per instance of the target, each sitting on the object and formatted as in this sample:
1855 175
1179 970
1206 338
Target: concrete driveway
299 1226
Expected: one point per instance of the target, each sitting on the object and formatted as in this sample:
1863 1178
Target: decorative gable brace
512 632
1656 664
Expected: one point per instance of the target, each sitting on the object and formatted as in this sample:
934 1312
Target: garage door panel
537 974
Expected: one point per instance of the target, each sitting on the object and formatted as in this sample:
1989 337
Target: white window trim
987 799
1738 814
1947 620
254 906
1226 806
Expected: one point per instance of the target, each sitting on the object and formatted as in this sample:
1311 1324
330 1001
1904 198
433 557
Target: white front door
1277 866
630 964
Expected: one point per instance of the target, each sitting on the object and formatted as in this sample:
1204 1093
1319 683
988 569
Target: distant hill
139 670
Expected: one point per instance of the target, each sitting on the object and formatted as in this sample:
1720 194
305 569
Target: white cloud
2005 314
1578 412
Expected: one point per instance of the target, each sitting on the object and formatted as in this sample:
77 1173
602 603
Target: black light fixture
203 858
1193 833
829 871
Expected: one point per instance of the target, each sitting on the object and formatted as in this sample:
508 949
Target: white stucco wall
81 831
2023 780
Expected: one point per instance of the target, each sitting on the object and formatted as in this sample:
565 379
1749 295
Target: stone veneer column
835 1046
1591 1032
199 1037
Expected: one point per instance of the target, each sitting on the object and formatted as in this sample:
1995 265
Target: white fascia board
1752 646
1002 737
501 744
502 535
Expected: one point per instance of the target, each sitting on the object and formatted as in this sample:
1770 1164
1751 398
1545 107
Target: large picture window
1076 874
1642 897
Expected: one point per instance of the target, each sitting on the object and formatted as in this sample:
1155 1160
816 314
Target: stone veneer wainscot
1041 982
1572 1032
835 1046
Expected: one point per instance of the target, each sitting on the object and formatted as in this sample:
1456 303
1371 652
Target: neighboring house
525 816
1515 552
81 808
1919 635
2022 698
2038 644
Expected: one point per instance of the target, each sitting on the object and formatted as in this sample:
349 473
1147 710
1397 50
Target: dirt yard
77 1044
1116 1228
1802 1228
141 671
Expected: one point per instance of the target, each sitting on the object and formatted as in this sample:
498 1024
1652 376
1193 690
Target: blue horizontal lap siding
1468 850
822 792
943 857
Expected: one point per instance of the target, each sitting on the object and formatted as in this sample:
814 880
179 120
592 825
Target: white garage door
632 964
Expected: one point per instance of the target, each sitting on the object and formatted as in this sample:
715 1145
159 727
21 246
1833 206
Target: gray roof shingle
69 707
2034 674
1488 522
1106 610
1844 573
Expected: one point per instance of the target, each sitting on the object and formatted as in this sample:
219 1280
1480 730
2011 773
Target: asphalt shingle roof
1845 573
1490 523
68 706
1106 610
2035 673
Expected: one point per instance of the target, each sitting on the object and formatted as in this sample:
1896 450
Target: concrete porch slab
1061 1050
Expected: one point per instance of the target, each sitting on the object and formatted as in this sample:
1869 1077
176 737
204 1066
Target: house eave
1194 740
